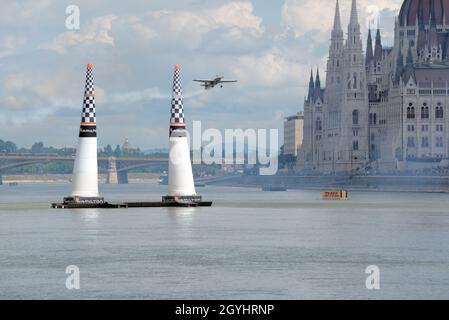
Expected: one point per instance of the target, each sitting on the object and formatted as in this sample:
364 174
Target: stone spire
378 48
311 86
369 50
354 40
335 59
317 81
318 92
354 15
337 19
337 38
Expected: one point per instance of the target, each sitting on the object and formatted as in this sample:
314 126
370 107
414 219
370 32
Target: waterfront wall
379 183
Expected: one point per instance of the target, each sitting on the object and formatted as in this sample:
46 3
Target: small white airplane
209 84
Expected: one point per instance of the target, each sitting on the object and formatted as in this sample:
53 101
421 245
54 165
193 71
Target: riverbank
66 178
433 184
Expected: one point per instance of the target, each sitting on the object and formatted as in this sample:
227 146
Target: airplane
209 84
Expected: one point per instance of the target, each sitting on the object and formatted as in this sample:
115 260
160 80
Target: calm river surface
249 245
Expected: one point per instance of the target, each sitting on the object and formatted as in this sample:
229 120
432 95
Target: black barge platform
107 205
104 205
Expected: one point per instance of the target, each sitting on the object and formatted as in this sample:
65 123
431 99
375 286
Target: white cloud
235 20
9 45
270 69
97 31
23 12
304 16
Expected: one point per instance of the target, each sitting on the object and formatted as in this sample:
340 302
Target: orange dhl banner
335 195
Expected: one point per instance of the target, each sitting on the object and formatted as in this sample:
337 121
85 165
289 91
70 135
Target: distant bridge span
120 166
20 164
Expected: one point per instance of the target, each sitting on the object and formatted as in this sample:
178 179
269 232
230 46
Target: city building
386 109
293 130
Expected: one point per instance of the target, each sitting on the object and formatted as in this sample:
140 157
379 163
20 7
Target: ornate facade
385 109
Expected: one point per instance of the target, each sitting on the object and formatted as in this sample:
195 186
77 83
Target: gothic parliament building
385 110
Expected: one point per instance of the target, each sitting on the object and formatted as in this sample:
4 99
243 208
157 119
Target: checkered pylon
177 111
88 115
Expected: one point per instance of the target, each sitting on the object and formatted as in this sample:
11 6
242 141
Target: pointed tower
181 186
335 60
369 51
317 85
317 80
332 106
378 48
337 31
354 132
85 170
311 87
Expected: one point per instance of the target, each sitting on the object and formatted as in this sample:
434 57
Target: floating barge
130 205
335 195
165 204
104 205
180 202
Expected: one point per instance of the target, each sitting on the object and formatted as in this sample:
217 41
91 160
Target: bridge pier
112 171
1 179
122 177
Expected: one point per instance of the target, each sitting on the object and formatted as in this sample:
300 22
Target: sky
269 46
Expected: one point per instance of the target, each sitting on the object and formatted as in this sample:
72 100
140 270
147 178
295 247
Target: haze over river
249 245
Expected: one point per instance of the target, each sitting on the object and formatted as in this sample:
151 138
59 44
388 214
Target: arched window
375 118
371 118
439 112
425 112
411 113
355 145
355 81
355 117
318 124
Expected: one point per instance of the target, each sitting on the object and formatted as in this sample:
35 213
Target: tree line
39 147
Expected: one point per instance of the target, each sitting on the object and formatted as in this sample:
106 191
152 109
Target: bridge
117 169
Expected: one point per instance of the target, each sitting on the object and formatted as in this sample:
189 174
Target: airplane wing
205 81
228 81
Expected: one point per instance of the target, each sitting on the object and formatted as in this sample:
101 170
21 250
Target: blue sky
269 46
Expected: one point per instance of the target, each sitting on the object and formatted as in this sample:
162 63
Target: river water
249 245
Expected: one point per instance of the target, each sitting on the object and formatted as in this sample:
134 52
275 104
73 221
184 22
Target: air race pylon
181 186
85 170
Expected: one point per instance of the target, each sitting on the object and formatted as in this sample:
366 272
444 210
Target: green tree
108 150
7 146
117 151
38 147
